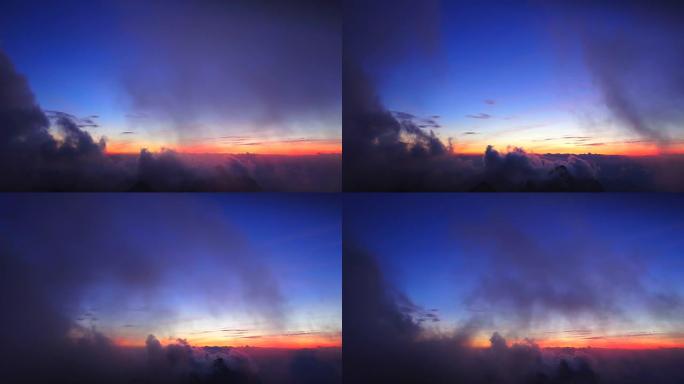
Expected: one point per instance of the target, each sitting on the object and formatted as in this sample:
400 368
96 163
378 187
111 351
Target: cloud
201 59
636 63
379 34
518 170
86 122
412 120
52 152
308 368
480 116
527 287
489 101
382 152
181 361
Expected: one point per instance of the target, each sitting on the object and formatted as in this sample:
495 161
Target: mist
516 288
262 65
386 342
71 278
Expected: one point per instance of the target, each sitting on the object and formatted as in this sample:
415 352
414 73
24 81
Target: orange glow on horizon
650 342
614 343
631 150
274 341
283 147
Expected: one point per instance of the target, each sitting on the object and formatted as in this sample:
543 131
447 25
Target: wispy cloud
480 116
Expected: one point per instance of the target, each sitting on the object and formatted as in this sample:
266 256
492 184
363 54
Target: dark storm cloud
409 119
383 343
51 151
260 63
84 122
182 362
134 263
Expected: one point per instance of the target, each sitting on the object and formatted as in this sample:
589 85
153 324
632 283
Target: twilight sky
551 77
258 77
563 270
216 270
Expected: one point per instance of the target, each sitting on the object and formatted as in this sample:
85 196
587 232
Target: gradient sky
580 270
216 270
196 77
522 73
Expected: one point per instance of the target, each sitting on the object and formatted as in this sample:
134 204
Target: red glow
615 343
272 341
625 342
277 147
632 149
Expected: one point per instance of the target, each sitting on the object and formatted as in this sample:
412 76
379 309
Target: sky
549 77
558 270
201 77
213 270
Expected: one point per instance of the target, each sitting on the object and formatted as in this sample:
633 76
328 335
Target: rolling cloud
480 116
527 287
